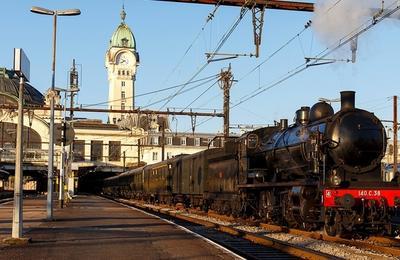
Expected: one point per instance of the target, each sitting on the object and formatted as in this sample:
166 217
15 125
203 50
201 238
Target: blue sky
163 32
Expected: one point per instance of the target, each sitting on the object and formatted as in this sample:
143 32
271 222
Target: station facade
124 141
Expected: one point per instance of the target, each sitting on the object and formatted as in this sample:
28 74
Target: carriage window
252 141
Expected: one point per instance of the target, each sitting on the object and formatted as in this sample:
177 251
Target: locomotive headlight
336 180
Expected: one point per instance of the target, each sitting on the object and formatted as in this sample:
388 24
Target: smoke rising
335 19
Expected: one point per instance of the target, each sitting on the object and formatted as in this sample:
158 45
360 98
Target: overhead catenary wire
226 36
333 6
209 18
288 42
273 54
207 103
199 96
371 103
222 41
289 74
182 92
382 107
378 104
151 92
196 108
341 42
251 112
198 124
378 99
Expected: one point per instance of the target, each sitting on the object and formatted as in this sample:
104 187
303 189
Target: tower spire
123 14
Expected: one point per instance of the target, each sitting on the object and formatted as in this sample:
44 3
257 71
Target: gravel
334 249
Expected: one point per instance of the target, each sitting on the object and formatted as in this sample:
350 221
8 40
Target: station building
124 141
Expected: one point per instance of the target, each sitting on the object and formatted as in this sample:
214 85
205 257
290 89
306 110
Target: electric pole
63 158
226 79
394 134
74 88
163 141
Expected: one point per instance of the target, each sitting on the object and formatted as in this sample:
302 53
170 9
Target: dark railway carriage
156 182
205 177
175 166
163 180
126 185
193 171
220 191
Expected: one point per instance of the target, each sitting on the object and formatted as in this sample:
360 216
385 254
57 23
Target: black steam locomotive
322 171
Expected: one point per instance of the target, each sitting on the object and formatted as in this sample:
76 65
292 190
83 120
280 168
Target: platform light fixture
54 13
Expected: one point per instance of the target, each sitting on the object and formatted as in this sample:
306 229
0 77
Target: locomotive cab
252 163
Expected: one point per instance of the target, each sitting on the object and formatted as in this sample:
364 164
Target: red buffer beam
269 4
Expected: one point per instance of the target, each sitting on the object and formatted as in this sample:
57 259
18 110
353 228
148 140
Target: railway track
384 245
243 243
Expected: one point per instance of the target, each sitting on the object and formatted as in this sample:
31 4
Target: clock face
123 59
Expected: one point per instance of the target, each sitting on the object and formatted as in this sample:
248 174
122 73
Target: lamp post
22 69
54 13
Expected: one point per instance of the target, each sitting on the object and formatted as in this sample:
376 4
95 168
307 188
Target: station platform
92 227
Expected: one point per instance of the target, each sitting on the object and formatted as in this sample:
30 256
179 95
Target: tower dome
121 62
123 36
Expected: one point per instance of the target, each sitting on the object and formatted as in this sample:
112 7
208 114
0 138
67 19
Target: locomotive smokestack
347 99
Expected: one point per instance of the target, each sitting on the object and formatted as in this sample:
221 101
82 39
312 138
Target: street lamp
54 13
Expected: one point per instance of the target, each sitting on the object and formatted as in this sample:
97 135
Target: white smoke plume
335 19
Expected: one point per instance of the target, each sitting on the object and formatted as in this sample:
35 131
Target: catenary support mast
226 79
258 9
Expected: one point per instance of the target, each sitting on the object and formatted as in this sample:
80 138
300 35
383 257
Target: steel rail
385 245
297 251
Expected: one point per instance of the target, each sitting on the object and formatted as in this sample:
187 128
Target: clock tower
121 62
